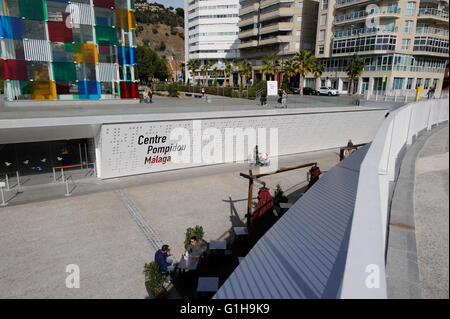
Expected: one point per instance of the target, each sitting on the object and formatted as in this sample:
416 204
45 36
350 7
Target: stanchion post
7 182
54 175
67 189
81 156
19 188
3 203
62 175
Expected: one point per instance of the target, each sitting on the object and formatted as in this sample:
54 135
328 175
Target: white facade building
211 33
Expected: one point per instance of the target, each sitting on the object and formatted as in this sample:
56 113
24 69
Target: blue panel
11 27
133 56
89 90
65 1
102 21
127 55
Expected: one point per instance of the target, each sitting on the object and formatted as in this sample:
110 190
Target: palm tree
318 69
229 68
241 71
248 70
205 70
270 65
193 65
289 69
354 68
304 62
215 74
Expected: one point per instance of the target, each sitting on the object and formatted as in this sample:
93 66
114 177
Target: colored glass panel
34 30
104 3
107 54
11 49
85 53
43 90
62 52
125 19
127 55
129 90
13 70
64 71
89 90
86 72
105 35
83 34
58 32
9 8
11 27
38 71
104 17
33 9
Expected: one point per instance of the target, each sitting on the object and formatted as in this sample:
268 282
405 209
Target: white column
370 88
360 83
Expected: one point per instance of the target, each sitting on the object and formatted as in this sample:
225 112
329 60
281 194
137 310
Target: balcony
348 3
362 32
253 8
276 39
248 33
432 31
433 14
278 13
274 27
268 3
248 21
362 15
248 44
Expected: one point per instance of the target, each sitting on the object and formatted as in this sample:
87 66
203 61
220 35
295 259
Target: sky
170 3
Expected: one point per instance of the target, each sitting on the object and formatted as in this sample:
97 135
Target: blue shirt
160 258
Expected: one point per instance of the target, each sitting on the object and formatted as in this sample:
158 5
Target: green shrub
154 279
173 88
197 231
155 30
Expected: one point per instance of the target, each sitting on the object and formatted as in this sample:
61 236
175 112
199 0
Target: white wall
297 133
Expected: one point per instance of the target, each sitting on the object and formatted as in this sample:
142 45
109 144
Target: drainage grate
149 233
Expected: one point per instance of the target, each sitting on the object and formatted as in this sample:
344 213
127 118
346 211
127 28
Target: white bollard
54 175
3 203
7 182
67 189
19 188
62 175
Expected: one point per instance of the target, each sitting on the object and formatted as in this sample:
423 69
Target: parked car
309 91
295 90
327 91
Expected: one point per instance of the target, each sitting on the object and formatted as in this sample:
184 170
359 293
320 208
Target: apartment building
68 50
404 44
280 27
211 33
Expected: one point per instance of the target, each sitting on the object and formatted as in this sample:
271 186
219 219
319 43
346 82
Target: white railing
364 275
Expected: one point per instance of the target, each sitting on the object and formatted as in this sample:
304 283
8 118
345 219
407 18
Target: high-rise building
404 44
211 33
280 27
68 50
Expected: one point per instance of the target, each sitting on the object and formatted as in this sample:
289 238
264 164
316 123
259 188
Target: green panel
33 9
106 35
64 71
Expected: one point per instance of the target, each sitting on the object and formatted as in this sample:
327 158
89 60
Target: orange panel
86 53
121 18
43 90
131 20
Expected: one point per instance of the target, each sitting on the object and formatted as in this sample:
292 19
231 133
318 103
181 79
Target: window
418 83
321 49
435 83
427 84
299 19
410 8
409 83
323 19
298 33
297 45
398 83
405 44
322 35
408 26
324 4
300 5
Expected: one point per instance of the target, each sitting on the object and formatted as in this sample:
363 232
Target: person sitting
164 266
350 149
314 175
194 248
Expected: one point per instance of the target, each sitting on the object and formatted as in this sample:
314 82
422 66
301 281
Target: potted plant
154 280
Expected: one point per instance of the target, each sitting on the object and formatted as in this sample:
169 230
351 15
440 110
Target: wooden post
250 199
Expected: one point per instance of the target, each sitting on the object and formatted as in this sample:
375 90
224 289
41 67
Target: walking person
284 99
203 92
150 95
430 93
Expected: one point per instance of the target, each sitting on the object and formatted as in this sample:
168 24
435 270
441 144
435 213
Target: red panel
13 70
104 3
58 32
129 90
62 88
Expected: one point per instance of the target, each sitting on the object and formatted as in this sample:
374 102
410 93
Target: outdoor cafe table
218 245
190 263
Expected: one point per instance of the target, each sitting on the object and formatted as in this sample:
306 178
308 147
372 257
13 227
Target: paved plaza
110 228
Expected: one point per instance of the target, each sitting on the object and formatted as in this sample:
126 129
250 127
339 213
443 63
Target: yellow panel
43 90
131 20
121 18
86 53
